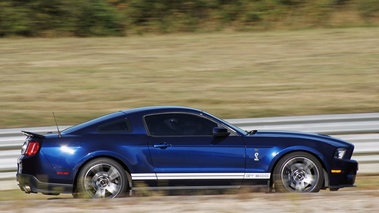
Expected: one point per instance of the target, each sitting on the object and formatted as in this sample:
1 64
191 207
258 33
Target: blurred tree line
57 18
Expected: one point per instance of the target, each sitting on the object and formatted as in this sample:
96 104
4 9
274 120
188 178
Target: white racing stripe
144 176
199 176
203 176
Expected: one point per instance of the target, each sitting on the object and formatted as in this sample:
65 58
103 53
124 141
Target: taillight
32 149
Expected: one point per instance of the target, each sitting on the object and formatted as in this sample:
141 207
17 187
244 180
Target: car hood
301 135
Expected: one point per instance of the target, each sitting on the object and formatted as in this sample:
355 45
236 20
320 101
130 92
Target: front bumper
343 174
31 184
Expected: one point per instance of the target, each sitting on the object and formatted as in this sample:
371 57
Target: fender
290 149
97 154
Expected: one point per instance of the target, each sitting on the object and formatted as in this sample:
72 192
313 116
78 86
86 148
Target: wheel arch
116 159
288 151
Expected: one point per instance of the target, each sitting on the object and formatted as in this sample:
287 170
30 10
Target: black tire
298 172
101 178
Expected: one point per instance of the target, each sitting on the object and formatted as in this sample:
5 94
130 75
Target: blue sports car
178 148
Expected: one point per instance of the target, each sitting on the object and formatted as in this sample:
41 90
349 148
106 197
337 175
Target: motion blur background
234 58
54 18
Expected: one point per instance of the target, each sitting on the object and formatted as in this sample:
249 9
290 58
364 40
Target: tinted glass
116 126
179 124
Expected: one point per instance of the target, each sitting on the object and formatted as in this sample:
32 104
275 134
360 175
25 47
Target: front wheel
298 172
102 178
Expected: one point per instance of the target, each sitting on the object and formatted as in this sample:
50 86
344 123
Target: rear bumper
30 184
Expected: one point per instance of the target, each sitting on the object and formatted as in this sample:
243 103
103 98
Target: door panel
182 147
198 154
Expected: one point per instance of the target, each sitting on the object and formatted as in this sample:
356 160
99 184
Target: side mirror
220 132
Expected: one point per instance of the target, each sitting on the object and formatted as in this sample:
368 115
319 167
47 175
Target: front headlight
340 152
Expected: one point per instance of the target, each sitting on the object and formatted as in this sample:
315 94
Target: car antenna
56 123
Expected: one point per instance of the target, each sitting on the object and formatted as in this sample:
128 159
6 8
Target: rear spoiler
32 134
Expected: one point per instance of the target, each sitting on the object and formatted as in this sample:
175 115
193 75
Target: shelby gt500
171 147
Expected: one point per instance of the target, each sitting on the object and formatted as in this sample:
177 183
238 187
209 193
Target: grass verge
231 75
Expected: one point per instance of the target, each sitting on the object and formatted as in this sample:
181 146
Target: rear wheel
298 172
102 178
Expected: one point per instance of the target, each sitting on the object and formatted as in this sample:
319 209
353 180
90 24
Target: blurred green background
233 58
55 18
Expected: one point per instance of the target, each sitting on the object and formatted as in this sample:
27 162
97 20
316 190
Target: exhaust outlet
27 189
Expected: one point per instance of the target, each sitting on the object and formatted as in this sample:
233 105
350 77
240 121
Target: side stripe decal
144 176
203 176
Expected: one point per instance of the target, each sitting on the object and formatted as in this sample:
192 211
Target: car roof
132 112
160 109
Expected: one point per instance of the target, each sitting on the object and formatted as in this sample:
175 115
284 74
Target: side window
116 126
176 124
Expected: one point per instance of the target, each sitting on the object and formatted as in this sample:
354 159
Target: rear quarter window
122 125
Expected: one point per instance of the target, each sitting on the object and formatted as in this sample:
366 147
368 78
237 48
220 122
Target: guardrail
360 129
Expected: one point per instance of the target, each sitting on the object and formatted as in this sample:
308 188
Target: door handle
162 145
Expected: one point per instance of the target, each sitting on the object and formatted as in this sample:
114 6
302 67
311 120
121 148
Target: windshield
237 129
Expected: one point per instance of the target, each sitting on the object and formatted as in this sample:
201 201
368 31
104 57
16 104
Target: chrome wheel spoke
113 188
97 168
308 165
309 180
89 184
300 186
100 193
294 167
113 174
